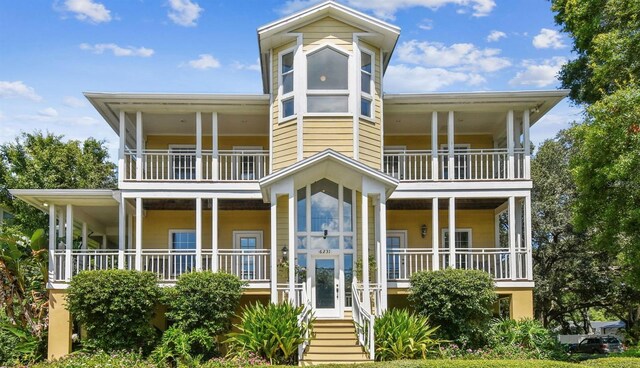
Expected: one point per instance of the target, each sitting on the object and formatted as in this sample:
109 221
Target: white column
451 146
139 145
382 264
198 234
274 248
365 252
129 231
52 242
85 232
138 233
519 223
527 144
198 145
215 167
452 232
121 231
510 145
123 139
104 241
434 145
512 237
292 246
69 243
214 235
435 246
527 236
61 223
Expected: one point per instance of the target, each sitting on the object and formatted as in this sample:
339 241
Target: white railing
248 264
181 165
364 322
167 264
468 164
403 263
298 299
305 319
84 260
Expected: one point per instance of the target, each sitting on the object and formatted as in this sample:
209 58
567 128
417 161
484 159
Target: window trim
327 92
176 231
281 96
258 234
372 84
402 234
458 230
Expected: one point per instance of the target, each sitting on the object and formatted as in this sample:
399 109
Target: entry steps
334 341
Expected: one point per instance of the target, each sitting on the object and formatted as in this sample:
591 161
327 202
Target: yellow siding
285 146
521 301
224 142
481 223
370 144
59 325
328 30
423 142
322 133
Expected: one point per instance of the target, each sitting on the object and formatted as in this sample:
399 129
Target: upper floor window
327 81
286 81
366 81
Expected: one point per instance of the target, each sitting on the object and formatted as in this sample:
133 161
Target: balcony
185 165
468 165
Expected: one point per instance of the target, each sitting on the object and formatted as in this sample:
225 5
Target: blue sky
52 51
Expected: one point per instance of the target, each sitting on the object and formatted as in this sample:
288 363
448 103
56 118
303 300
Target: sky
51 51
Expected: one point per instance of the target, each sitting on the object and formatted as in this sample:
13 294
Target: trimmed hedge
613 363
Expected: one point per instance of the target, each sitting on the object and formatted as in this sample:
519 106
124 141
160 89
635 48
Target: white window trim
361 94
175 231
458 230
328 92
281 96
237 234
402 234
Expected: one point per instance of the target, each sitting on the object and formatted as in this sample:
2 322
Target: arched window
327 81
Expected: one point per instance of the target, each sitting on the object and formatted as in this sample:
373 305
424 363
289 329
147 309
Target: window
286 82
461 163
463 241
184 241
327 81
247 163
396 241
183 162
250 265
366 81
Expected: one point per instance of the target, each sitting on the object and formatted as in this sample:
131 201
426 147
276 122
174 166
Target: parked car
599 345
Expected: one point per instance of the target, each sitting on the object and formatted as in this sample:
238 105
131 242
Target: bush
8 344
271 332
204 300
403 335
98 359
180 348
115 306
528 334
613 363
459 301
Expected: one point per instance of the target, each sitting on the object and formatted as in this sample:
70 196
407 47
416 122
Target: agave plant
270 331
400 334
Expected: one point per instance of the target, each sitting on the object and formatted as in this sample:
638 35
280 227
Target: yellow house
323 190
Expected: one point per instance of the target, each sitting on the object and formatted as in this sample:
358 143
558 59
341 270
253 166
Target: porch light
45 204
285 253
423 231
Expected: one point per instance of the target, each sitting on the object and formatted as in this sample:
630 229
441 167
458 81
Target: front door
325 287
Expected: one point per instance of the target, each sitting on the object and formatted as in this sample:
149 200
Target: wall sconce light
325 233
285 253
423 230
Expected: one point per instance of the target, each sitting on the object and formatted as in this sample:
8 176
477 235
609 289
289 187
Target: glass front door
326 293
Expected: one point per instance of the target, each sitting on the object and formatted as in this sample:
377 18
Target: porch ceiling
190 204
461 204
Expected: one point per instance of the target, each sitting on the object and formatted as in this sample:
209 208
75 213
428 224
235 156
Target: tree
607 42
45 161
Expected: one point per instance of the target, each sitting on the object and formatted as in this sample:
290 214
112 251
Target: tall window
183 240
327 81
286 75
366 73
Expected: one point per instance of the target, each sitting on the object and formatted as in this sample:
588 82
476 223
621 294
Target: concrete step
328 357
332 341
317 349
333 329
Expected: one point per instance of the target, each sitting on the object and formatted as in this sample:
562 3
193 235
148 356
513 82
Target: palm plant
400 334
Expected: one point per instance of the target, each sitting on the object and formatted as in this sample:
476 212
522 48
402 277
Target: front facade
320 191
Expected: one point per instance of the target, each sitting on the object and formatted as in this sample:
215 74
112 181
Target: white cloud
184 12
548 38
539 75
100 48
241 66
495 36
88 10
17 89
403 78
426 24
386 9
49 112
71 101
204 62
459 56
560 117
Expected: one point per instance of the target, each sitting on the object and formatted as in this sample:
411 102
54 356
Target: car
599 345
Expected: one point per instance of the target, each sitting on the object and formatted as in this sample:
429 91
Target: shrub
613 363
272 332
180 348
8 343
204 300
529 334
99 359
115 306
459 301
403 335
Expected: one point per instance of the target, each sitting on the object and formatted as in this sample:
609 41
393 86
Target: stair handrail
305 320
363 321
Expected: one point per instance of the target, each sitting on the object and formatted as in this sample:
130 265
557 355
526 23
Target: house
322 190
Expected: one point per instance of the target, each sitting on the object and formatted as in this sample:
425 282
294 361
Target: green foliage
180 348
607 43
400 334
204 300
45 161
459 301
272 332
8 345
612 363
116 307
529 334
99 359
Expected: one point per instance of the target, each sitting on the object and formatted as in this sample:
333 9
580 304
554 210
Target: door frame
338 311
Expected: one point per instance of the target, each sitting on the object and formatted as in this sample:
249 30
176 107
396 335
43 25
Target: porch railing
181 165
248 264
363 321
83 260
468 164
305 319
